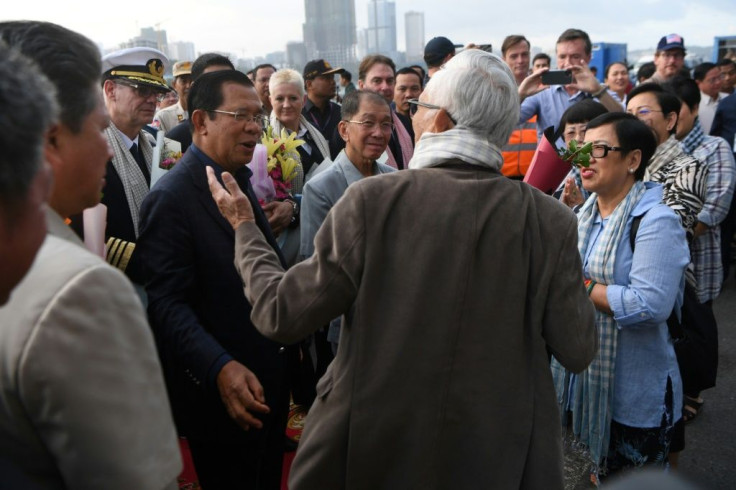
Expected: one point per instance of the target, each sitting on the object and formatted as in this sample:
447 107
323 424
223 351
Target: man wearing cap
320 111
438 51
669 58
133 79
166 119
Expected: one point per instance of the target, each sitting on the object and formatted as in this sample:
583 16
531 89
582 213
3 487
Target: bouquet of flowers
282 159
551 165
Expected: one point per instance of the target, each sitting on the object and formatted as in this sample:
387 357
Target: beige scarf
134 182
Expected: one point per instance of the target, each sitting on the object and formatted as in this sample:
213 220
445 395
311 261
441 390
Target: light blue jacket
649 282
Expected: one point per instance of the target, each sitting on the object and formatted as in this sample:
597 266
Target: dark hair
700 71
580 112
69 60
646 71
374 59
686 89
206 60
540 56
632 135
667 102
27 109
410 71
513 40
206 92
262 66
423 74
575 34
346 75
351 102
726 62
610 65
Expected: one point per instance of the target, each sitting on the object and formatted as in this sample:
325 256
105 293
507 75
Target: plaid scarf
134 182
694 138
457 143
593 399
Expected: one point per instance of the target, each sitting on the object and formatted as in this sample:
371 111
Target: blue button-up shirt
648 283
549 105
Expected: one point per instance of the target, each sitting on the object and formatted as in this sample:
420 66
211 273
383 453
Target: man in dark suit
227 383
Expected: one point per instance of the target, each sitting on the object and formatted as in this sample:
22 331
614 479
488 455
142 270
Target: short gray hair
287 75
479 91
27 109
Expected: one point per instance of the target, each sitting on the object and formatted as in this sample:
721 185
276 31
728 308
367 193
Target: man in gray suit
27 98
82 399
460 281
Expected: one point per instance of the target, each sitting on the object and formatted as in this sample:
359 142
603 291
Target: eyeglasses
369 126
259 119
678 55
144 91
601 151
643 112
414 107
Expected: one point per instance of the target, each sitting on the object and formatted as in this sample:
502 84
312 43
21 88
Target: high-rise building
414 27
296 55
381 32
182 51
329 30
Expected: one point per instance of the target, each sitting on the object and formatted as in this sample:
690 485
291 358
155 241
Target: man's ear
360 84
441 122
199 120
52 148
342 128
109 89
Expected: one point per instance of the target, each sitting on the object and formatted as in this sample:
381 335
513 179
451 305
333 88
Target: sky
248 29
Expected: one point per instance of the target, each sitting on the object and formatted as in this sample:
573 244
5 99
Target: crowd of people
187 267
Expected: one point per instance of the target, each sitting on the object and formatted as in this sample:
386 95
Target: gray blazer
82 397
323 190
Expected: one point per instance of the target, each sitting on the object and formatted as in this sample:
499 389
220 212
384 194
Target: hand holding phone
557 77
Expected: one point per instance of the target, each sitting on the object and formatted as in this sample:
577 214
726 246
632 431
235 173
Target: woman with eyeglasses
622 408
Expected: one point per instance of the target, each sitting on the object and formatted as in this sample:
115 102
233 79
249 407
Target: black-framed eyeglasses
144 91
601 151
386 126
259 119
415 103
643 111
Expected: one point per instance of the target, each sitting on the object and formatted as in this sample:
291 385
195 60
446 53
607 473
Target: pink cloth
407 147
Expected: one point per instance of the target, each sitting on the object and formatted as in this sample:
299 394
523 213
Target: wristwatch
294 211
603 89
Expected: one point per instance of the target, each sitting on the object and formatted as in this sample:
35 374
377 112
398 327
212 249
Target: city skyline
250 30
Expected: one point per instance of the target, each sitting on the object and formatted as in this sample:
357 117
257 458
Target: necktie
138 157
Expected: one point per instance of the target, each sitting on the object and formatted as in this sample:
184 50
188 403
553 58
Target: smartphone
557 77
488 48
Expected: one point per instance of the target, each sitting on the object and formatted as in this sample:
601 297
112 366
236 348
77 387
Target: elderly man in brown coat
456 283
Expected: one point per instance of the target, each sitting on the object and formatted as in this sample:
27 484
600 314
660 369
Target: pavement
709 459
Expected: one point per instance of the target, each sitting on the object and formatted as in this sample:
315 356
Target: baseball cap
316 68
671 41
437 48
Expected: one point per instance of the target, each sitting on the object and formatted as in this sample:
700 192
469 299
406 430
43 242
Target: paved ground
709 459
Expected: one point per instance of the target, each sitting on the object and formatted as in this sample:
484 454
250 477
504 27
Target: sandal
691 408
